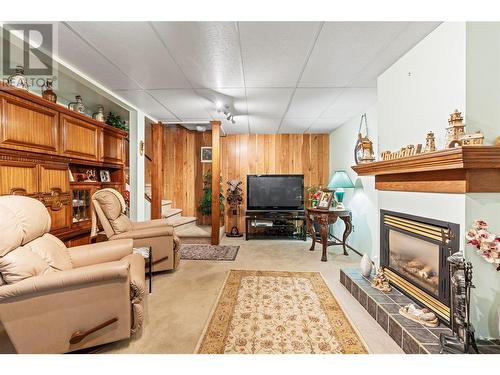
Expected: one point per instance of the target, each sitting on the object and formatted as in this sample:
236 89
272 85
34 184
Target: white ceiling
280 77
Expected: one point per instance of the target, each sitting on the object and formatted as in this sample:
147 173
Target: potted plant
116 121
205 206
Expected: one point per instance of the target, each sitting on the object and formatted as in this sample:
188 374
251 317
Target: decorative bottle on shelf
48 93
99 115
77 105
18 79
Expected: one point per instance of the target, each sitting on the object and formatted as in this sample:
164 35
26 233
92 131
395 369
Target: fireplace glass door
416 259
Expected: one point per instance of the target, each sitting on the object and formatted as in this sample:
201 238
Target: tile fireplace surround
412 337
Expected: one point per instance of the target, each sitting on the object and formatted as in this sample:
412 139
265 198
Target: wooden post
215 181
157 170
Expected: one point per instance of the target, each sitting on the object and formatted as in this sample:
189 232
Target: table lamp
340 180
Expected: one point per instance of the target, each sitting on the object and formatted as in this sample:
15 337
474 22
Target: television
275 192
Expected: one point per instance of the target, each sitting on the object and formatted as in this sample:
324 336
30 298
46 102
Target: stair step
195 234
166 204
181 222
170 213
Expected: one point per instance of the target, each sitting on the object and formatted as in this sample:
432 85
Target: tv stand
275 225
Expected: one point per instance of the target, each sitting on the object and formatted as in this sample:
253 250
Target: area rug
208 252
274 312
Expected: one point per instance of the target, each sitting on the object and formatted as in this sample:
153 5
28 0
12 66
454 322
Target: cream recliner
109 208
55 299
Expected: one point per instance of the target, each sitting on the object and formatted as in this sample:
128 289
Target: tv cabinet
275 225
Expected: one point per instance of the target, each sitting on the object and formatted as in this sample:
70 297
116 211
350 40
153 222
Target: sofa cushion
110 204
52 251
1 280
21 263
121 224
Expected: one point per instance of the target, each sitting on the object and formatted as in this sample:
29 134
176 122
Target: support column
157 170
215 181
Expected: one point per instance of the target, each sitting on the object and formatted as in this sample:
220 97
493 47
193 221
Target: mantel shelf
469 169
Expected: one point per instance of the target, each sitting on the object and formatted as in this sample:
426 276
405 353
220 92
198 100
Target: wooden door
55 194
20 178
79 138
28 126
113 147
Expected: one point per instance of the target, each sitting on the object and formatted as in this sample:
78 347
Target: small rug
273 312
208 252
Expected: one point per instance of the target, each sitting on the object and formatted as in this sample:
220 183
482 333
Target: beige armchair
55 299
109 208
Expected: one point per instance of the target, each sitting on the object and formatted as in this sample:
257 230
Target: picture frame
206 154
104 175
325 200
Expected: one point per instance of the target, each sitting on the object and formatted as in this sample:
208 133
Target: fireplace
413 251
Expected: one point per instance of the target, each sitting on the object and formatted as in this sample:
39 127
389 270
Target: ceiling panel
207 52
136 49
268 102
184 103
311 103
274 53
240 127
292 126
147 104
406 40
351 102
322 126
263 125
344 49
235 98
73 50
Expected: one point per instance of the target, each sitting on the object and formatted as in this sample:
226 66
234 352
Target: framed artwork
325 200
105 176
206 154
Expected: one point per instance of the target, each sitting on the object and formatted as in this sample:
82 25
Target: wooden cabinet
17 177
28 126
113 147
80 139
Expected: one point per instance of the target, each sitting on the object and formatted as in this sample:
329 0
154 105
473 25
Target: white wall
137 201
362 200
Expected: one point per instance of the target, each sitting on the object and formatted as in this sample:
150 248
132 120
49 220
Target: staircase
185 226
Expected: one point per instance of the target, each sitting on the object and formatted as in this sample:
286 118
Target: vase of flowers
487 244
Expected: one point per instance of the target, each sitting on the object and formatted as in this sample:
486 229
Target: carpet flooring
278 312
208 252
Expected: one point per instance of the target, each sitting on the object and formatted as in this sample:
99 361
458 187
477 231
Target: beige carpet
278 312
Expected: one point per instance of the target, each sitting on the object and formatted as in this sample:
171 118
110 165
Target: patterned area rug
208 252
272 312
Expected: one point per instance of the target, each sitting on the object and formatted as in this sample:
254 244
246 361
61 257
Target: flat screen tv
275 192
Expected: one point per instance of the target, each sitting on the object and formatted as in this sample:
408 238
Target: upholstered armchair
55 299
109 208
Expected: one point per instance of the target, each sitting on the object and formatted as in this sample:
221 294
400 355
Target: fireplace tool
462 338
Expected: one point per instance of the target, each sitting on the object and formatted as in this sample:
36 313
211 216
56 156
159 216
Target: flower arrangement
487 244
314 194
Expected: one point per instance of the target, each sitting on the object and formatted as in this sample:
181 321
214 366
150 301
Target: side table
147 253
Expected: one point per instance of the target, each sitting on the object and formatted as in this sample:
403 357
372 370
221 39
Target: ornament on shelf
410 150
456 135
366 265
363 151
99 115
430 142
380 281
77 105
18 79
48 93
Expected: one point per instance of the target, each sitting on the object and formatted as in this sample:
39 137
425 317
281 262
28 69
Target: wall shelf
468 169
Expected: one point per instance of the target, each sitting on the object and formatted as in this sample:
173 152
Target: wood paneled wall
244 154
183 170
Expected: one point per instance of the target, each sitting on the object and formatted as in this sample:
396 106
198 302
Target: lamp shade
340 179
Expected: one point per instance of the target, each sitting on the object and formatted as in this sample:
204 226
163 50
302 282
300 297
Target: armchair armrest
101 252
145 233
58 281
149 224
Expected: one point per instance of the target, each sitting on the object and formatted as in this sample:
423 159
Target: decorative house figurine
430 142
455 133
18 79
77 105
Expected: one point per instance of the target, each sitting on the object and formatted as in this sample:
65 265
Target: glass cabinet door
81 205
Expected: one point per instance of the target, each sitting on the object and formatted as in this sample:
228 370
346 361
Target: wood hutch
40 143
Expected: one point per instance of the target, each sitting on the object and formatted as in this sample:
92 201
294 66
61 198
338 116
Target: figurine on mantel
455 133
380 281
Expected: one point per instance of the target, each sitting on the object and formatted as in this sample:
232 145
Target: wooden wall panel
244 154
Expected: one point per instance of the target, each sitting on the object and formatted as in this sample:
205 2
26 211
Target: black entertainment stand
275 225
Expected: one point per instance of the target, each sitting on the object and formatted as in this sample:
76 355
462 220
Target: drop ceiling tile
322 126
263 125
351 103
147 104
136 49
311 102
295 126
344 49
240 127
235 98
268 102
274 53
208 52
74 51
184 103
406 40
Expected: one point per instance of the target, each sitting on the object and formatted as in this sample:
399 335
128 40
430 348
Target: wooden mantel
468 169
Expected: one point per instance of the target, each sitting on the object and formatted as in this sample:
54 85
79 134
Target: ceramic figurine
18 79
366 265
430 142
48 93
456 135
77 105
380 281
99 115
